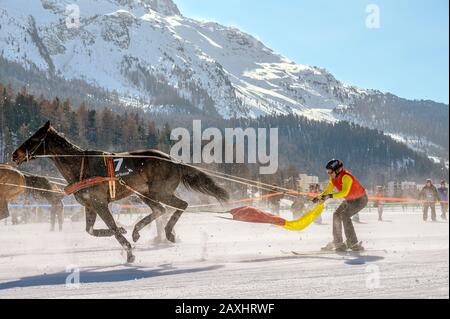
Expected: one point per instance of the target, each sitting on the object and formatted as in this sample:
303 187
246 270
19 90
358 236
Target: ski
324 252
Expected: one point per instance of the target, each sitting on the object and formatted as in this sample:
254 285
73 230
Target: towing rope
34 188
223 176
239 180
47 177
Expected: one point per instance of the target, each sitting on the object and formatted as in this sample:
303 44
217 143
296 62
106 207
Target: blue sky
408 55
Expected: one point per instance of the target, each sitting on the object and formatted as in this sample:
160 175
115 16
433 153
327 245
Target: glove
326 197
322 198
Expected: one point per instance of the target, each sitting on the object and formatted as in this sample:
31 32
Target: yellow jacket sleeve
329 189
347 183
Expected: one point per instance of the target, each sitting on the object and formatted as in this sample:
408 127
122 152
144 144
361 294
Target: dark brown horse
14 183
156 177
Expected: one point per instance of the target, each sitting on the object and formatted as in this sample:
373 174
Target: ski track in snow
216 258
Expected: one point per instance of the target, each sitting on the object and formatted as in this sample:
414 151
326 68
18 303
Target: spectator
443 197
429 196
379 193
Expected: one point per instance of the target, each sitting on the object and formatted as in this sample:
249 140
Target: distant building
394 189
399 189
304 181
409 186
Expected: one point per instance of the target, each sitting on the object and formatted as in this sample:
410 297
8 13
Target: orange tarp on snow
254 215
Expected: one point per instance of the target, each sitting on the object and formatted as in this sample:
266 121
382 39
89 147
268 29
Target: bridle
30 154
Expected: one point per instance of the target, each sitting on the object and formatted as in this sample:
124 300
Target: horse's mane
62 139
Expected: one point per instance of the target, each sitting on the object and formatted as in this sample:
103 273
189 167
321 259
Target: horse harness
90 181
114 175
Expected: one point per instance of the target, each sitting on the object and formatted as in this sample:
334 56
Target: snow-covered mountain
135 46
118 43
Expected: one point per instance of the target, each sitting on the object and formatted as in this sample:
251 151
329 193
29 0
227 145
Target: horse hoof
131 259
136 236
170 237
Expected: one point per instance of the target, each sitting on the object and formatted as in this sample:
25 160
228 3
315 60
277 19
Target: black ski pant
432 206
343 217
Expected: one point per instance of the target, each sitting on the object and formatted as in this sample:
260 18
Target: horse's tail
198 181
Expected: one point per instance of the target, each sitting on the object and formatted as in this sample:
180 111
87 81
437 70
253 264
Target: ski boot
335 247
355 247
340 248
329 247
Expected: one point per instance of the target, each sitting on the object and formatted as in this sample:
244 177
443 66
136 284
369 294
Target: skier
443 196
379 203
429 195
355 200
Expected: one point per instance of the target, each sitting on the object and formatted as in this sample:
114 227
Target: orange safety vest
356 191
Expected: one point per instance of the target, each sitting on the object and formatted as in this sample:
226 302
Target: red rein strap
71 189
86 183
111 175
110 167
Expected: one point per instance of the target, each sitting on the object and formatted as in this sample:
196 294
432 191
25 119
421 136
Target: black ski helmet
335 165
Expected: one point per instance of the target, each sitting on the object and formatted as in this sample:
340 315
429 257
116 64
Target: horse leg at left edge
4 212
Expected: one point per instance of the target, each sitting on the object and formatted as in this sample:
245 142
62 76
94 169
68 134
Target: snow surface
216 258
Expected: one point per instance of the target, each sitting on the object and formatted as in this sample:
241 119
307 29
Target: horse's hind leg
160 224
182 205
158 210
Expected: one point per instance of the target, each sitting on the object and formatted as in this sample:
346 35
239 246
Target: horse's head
32 147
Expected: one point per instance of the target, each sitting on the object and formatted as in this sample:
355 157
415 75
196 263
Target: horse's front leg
91 216
108 219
